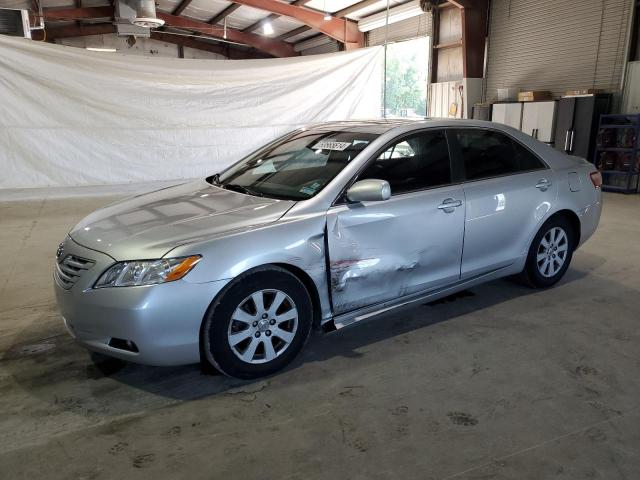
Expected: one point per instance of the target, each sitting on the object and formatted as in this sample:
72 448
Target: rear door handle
449 204
543 184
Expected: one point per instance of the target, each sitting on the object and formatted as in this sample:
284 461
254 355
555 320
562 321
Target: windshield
295 167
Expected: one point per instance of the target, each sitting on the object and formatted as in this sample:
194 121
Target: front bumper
162 320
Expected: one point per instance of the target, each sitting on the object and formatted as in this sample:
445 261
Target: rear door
508 190
380 251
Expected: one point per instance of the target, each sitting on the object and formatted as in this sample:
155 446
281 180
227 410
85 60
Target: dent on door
380 255
363 269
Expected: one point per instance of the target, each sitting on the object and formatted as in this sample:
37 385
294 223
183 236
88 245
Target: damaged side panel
383 250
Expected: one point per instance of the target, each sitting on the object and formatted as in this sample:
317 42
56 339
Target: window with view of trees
406 79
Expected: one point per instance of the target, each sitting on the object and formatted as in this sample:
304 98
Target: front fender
298 242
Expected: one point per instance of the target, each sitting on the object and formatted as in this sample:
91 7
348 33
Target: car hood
150 225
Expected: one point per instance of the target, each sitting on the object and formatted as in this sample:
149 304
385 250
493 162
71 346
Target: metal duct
146 14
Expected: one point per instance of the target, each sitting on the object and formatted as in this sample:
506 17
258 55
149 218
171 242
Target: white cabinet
507 114
539 120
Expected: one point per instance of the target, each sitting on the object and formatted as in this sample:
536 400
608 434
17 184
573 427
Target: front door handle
543 184
449 204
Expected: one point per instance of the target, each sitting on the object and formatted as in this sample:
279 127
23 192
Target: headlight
147 272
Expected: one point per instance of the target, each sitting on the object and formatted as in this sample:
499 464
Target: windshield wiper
239 188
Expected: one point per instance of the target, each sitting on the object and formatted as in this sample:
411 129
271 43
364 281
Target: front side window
296 167
417 162
487 153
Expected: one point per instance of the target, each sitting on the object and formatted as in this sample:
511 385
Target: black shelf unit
617 153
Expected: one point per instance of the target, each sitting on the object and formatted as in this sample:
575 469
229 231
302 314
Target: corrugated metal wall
329 47
556 45
414 27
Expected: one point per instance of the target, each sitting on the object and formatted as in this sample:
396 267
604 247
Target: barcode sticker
331 145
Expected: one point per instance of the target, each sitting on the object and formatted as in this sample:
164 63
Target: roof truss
343 30
271 46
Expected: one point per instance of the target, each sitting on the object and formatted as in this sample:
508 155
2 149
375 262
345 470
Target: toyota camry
324 227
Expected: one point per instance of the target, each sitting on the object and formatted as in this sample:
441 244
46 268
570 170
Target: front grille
70 269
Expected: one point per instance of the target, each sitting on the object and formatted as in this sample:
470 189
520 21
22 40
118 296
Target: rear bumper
162 320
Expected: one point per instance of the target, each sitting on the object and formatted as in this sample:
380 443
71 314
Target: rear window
487 153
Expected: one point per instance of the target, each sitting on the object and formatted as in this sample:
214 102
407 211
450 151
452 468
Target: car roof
381 126
392 127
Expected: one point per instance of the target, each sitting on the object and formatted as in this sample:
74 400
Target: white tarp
72 117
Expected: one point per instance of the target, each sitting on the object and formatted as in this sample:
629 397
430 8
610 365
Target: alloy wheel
263 326
552 252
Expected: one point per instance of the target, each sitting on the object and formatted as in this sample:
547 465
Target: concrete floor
503 382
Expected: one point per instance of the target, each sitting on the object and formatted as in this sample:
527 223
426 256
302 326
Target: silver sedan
323 227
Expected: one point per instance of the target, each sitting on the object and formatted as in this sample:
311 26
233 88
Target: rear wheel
550 253
258 325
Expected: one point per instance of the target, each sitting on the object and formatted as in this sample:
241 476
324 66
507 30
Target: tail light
596 179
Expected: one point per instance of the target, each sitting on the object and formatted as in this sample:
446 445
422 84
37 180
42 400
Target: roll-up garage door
414 27
556 46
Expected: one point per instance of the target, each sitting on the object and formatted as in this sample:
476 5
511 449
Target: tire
550 253
246 340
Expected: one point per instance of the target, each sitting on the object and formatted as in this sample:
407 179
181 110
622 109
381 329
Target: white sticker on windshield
264 167
331 145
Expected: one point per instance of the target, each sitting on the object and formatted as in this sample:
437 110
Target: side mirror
369 191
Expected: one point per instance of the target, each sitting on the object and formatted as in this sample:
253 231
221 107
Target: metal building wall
414 27
556 46
329 47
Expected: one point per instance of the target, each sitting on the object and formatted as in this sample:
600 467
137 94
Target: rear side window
416 162
487 153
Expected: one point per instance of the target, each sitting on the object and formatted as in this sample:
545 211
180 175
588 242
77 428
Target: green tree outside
406 78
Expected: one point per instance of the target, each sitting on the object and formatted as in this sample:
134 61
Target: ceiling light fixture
224 34
96 49
267 28
327 15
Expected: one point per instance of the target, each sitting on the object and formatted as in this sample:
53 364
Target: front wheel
550 253
258 325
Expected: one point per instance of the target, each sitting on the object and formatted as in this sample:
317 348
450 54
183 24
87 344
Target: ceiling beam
68 31
271 46
344 31
85 13
271 17
268 45
339 14
180 8
294 32
225 13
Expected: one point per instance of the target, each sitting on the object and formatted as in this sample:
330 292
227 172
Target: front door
380 251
